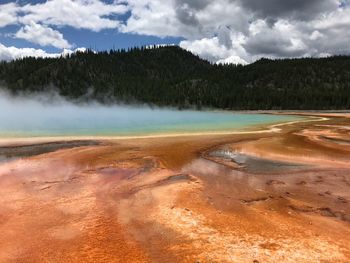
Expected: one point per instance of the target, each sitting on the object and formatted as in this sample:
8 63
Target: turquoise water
38 116
69 120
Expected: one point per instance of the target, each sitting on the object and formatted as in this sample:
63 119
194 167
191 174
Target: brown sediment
277 197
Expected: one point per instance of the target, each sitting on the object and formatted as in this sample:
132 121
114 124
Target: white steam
51 115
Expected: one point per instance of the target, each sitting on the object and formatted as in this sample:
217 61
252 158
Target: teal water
123 121
39 117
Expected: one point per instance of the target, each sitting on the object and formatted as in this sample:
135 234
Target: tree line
171 76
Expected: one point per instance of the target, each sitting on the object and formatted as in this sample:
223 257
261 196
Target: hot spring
35 117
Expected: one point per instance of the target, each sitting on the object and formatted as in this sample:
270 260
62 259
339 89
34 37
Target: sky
221 31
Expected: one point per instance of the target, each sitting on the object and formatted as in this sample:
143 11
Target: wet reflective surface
274 197
255 164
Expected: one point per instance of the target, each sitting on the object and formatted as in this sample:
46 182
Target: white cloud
11 53
42 35
234 30
192 20
156 17
37 19
218 30
283 39
8 14
214 50
232 60
208 48
316 35
86 14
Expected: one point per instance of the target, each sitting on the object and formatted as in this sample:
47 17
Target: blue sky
103 40
230 31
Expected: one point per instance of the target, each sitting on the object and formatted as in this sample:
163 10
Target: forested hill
171 76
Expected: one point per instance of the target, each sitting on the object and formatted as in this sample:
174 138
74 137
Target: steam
50 114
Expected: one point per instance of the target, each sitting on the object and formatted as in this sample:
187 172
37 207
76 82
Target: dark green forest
171 76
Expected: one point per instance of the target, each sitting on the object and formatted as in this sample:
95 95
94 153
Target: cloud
10 53
217 30
283 40
214 51
246 30
81 14
232 60
87 14
42 35
292 9
192 20
38 19
8 14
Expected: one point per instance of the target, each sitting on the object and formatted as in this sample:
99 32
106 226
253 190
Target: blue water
70 120
37 116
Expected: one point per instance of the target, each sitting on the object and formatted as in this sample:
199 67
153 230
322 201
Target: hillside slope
171 76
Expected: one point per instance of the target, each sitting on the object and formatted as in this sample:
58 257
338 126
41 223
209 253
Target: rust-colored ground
173 200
